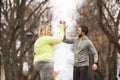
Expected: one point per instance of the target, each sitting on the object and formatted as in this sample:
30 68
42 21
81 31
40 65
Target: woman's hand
64 24
55 73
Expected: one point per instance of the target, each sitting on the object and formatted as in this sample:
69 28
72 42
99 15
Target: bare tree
109 21
19 20
110 15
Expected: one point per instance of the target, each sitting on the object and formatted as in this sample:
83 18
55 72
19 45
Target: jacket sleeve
69 40
55 40
93 51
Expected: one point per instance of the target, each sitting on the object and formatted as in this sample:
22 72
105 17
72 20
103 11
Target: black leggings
80 73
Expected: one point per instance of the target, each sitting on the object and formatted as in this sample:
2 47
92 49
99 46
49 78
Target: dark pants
80 73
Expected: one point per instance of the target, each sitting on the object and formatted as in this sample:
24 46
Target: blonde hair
44 30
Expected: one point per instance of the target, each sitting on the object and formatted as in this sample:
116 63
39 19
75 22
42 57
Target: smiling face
79 31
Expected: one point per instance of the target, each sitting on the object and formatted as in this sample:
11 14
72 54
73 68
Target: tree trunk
113 65
7 67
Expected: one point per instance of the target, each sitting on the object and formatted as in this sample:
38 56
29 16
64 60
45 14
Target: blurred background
19 23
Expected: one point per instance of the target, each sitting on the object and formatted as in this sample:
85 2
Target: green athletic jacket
44 46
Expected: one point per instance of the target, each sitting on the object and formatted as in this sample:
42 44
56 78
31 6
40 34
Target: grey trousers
45 69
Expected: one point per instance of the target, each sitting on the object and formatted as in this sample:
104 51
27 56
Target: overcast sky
65 10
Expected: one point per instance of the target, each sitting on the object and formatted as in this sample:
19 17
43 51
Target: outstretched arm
59 38
66 39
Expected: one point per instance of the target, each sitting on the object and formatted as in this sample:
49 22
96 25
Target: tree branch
27 48
118 19
10 4
109 27
43 2
29 3
112 18
113 39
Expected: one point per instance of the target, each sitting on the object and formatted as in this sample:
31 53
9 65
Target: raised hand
64 24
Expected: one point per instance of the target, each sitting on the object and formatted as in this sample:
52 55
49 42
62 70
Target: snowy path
64 61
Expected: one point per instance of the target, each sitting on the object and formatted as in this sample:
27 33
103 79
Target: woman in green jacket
44 51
